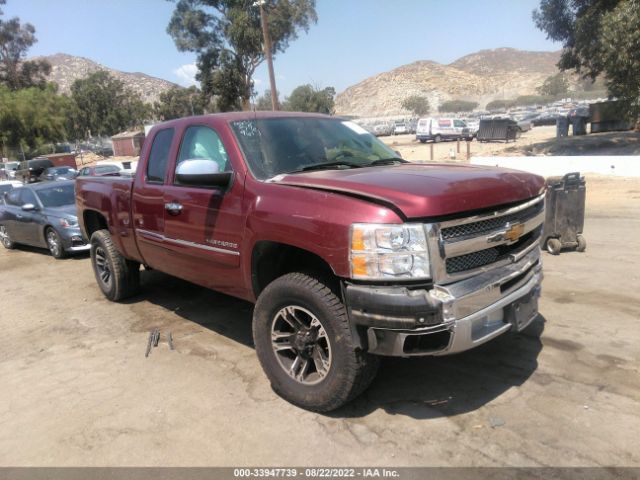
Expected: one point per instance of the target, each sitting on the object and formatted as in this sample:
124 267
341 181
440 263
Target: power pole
267 54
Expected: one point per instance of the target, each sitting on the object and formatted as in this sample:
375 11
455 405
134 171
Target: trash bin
564 217
579 125
562 126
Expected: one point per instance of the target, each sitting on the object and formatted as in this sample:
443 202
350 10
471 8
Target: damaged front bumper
445 319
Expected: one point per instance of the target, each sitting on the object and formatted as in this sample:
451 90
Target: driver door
203 225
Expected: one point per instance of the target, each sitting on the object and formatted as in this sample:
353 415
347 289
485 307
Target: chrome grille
483 226
459 248
481 258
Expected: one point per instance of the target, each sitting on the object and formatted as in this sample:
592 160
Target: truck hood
425 190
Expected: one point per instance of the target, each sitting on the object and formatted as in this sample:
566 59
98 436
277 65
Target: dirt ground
538 141
77 389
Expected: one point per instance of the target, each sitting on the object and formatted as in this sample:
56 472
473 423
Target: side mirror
202 173
29 207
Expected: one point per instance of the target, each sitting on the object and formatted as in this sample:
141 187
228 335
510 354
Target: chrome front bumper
458 316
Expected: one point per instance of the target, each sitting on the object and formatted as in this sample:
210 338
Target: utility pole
267 54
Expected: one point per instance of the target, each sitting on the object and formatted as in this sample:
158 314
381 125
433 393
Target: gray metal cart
564 220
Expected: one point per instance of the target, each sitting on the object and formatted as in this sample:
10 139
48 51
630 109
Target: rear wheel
438 139
54 244
5 238
303 341
117 277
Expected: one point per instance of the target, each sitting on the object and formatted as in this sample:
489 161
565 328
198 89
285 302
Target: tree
417 104
453 106
103 107
307 98
178 102
555 86
31 117
227 37
263 102
15 41
499 105
599 38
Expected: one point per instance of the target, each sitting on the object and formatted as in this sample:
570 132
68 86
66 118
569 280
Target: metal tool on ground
149 344
170 341
156 337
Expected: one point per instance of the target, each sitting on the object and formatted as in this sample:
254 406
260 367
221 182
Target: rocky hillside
480 77
65 69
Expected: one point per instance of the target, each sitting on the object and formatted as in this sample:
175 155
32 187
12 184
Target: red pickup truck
348 251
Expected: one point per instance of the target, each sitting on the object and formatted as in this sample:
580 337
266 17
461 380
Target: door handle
174 208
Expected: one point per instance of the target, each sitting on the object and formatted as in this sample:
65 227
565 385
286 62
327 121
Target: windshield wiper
387 161
329 165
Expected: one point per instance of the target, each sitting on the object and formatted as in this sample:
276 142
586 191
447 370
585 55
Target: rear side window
27 196
159 156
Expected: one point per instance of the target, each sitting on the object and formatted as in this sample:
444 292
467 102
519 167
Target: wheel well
271 260
94 221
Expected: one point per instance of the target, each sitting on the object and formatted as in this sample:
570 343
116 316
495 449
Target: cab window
203 143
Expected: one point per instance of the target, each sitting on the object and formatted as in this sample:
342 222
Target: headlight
380 252
67 223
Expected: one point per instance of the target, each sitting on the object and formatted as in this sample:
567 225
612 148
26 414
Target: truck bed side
105 202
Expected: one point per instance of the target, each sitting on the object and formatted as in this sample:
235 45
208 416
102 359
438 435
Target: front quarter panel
314 220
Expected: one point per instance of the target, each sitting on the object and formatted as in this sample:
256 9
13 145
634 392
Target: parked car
400 128
42 215
382 129
58 173
7 185
8 170
100 171
544 119
439 129
29 171
348 251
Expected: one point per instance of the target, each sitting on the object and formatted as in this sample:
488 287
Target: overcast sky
352 40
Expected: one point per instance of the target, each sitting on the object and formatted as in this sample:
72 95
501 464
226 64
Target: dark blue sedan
42 215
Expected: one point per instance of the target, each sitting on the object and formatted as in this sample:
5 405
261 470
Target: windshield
58 196
284 145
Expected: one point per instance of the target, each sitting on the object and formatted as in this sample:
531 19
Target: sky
353 39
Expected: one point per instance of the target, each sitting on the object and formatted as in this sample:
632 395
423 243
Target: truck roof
236 116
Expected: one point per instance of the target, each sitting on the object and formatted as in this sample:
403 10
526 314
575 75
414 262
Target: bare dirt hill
66 69
481 77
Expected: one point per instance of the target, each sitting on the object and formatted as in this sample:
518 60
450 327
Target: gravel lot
77 389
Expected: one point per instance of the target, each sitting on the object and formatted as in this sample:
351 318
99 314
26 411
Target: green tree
178 102
555 86
263 102
227 37
453 106
103 107
417 104
31 117
500 105
307 98
15 40
599 38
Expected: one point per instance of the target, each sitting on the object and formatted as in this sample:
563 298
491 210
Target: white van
438 129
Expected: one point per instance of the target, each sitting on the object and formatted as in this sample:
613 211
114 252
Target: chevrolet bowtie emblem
514 232
511 234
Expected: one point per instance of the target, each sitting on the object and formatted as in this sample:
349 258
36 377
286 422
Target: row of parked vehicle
37 205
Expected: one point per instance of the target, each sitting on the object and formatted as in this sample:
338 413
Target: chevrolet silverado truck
348 251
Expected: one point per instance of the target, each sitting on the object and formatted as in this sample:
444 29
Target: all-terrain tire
117 277
350 371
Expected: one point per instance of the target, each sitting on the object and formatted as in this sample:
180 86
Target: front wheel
54 244
305 346
117 277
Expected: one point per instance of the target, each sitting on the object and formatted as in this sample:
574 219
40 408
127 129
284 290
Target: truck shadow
432 387
420 387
